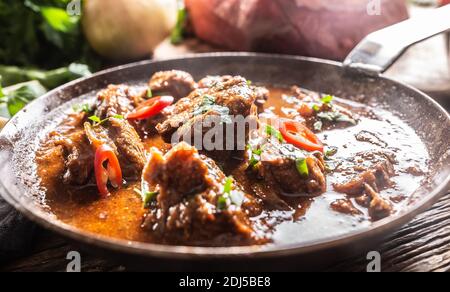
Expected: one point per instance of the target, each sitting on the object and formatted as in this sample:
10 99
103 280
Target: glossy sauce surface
120 215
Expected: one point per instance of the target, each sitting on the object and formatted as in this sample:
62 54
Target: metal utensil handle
380 49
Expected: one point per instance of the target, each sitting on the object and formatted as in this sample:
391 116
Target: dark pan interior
18 140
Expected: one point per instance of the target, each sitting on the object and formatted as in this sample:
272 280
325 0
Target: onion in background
124 30
319 28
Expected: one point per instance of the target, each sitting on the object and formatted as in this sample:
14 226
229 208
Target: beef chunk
370 173
379 208
262 95
123 138
175 83
68 153
345 206
189 207
118 100
372 168
288 169
205 108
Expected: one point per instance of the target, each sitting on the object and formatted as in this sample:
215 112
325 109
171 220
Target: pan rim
185 252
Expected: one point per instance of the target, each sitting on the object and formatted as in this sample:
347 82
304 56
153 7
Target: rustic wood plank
422 245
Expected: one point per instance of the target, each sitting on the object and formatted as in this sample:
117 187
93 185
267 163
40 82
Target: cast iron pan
19 139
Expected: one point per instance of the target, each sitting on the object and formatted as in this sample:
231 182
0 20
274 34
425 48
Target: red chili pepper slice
151 107
112 172
300 136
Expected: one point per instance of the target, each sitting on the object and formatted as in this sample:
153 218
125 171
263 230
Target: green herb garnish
316 108
149 197
330 151
149 93
95 119
302 167
271 131
327 99
227 196
249 82
119 117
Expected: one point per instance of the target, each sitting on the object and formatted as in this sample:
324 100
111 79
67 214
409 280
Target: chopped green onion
327 99
271 131
249 82
148 197
149 93
228 185
222 203
302 167
316 108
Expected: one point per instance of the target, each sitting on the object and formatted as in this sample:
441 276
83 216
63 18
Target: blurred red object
319 28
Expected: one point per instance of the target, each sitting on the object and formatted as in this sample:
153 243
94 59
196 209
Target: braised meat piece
371 172
67 152
195 202
212 108
118 100
288 169
175 83
123 138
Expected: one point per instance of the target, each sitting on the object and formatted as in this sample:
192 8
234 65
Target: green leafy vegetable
178 32
271 131
41 34
14 98
50 79
302 167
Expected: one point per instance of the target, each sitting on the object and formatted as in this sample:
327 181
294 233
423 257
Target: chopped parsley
97 121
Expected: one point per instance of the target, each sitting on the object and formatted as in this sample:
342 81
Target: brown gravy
120 215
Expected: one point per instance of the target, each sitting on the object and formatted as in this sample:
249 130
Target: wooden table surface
422 245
